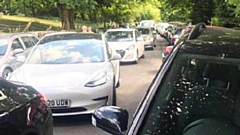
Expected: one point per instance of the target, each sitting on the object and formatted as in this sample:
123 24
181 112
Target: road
135 80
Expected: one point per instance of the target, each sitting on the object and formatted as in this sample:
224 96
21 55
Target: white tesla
127 42
75 74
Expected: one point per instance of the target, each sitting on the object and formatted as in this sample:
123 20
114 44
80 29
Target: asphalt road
135 80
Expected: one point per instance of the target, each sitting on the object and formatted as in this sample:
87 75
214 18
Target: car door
115 63
15 43
139 43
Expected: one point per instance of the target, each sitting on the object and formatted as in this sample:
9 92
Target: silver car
76 73
149 37
13 47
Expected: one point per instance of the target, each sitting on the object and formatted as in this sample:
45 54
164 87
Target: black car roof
215 41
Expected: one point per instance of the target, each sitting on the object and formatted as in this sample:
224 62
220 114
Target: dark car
23 110
196 91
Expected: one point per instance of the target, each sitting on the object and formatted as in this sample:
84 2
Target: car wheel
143 56
136 59
6 73
114 96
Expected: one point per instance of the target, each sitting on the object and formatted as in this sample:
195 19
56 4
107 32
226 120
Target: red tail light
168 49
43 98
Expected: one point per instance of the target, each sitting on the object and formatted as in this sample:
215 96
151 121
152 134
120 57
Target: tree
237 4
202 11
67 9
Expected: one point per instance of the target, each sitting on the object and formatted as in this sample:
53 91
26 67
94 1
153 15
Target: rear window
196 91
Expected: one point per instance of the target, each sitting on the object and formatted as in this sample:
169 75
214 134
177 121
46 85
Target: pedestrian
90 30
84 29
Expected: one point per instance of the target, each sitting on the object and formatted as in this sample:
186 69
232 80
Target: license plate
59 103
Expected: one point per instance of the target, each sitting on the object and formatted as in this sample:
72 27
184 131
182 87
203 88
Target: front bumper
83 100
127 55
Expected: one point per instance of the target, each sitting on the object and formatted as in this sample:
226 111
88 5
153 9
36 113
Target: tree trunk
71 19
67 17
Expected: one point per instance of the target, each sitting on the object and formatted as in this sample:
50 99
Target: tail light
168 49
43 98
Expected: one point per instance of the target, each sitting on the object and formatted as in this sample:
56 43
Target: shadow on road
72 120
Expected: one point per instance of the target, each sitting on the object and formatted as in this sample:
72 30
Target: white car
127 42
75 72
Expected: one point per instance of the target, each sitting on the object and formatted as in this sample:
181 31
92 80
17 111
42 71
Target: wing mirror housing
112 119
116 56
17 51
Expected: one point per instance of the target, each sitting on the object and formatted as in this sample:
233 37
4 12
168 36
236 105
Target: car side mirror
17 51
116 56
111 119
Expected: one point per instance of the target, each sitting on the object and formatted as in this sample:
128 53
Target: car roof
215 41
9 35
72 36
122 29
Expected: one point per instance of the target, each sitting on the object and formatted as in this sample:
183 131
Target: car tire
114 96
143 56
6 72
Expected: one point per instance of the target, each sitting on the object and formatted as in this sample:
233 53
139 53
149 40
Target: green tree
202 11
225 13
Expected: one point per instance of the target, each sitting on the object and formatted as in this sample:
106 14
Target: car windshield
143 31
3 46
119 36
196 89
68 52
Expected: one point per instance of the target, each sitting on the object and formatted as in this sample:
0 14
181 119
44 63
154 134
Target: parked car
127 42
176 35
76 73
196 91
149 37
24 110
147 23
166 51
12 48
161 27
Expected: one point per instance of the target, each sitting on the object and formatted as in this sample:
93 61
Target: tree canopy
218 12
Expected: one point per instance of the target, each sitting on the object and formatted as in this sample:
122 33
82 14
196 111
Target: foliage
237 4
225 13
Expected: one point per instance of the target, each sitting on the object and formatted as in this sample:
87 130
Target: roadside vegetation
70 14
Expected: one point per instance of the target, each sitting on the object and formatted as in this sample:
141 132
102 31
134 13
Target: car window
119 36
3 46
143 31
194 88
16 44
68 52
28 42
35 40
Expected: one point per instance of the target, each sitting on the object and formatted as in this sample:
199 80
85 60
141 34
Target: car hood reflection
59 75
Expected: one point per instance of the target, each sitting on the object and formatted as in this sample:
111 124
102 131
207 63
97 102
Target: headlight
100 79
130 47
